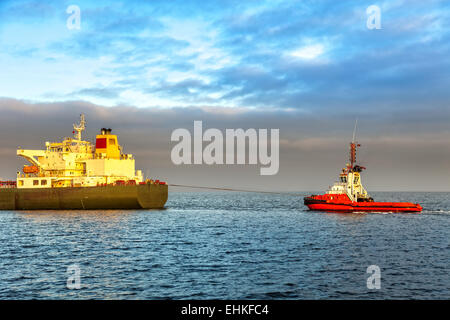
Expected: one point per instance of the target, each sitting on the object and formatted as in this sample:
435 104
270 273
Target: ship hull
352 206
146 196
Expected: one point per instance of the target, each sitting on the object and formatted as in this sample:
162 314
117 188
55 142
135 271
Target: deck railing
8 184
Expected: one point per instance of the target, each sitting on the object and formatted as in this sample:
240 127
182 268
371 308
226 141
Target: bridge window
43 182
21 183
35 182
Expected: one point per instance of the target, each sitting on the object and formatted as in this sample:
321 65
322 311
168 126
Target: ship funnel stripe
100 143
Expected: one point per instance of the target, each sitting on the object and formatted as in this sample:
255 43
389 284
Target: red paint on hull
341 203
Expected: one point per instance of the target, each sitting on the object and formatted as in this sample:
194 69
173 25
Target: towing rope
226 189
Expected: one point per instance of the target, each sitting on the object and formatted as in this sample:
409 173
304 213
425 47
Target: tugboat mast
353 146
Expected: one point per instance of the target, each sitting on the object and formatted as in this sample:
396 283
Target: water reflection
61 215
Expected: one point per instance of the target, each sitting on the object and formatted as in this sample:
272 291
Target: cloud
306 55
309 52
101 92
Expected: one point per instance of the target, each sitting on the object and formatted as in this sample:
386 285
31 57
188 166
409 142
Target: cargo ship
348 194
75 174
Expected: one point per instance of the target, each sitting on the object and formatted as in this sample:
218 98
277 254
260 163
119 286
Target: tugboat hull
352 206
145 196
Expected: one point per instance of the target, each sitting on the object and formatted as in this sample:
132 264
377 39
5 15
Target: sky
308 68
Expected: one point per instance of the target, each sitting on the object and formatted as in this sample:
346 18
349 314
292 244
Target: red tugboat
348 195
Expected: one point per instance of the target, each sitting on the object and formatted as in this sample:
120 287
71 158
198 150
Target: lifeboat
348 194
30 169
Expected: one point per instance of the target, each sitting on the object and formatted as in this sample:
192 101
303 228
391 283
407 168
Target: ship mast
353 146
78 128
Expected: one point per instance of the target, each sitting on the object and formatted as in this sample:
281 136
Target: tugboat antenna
354 130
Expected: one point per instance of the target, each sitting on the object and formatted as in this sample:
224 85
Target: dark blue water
228 245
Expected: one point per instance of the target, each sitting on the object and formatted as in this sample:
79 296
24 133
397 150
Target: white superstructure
77 163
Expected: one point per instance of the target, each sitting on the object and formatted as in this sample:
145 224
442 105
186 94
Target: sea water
228 246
